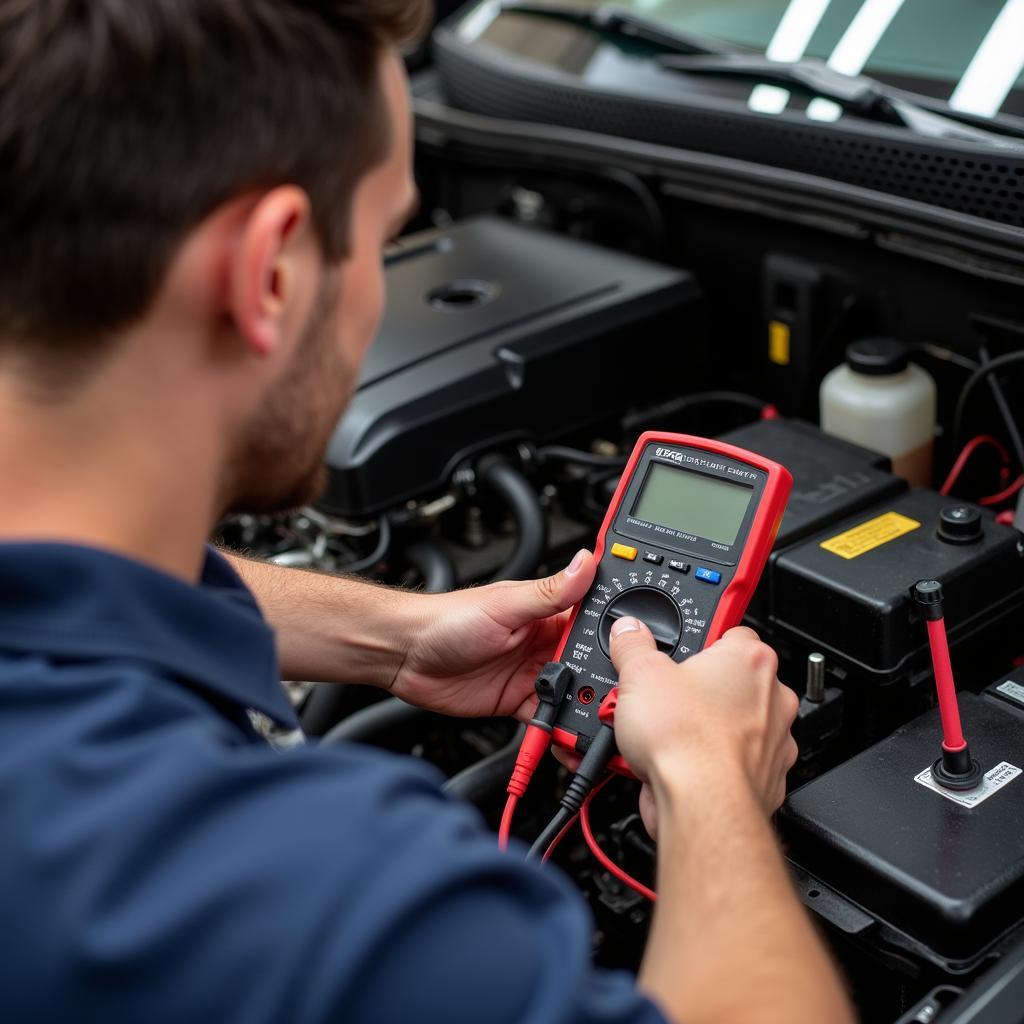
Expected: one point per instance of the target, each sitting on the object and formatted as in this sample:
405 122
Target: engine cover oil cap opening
466 293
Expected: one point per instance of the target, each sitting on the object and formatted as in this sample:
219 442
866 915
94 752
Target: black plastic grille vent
481 80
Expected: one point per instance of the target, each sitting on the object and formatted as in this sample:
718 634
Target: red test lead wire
552 684
566 829
600 856
534 746
955 769
505 829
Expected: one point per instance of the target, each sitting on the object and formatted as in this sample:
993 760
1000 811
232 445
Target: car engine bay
561 292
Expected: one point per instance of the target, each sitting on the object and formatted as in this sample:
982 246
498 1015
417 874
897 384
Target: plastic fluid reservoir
881 400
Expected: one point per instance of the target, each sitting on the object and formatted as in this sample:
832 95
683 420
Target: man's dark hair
123 123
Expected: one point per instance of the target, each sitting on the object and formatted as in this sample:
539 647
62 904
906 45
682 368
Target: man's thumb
524 602
629 639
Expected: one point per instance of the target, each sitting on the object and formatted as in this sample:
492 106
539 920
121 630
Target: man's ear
270 275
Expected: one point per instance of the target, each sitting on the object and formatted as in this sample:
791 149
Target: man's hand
476 653
722 712
711 739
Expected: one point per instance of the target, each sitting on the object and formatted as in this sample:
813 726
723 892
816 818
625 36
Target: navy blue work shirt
159 862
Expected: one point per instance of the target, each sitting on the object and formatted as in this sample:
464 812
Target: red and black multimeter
682 548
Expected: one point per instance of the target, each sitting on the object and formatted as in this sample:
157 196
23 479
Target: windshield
967 52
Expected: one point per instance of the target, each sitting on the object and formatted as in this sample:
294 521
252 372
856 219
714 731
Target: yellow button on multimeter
624 551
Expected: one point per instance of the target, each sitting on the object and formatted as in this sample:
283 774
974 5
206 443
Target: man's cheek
362 306
376 294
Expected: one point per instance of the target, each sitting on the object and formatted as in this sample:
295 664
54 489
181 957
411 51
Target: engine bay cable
1004 495
979 375
999 396
661 412
378 553
559 453
965 455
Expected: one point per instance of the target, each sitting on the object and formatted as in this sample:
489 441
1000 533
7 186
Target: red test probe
955 769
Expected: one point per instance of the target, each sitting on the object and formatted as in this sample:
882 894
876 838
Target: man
195 198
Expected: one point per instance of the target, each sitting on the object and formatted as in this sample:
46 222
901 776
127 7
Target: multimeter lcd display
703 506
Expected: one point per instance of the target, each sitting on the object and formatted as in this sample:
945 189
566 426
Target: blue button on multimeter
708 575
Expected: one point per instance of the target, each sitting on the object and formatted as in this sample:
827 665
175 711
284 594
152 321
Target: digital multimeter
681 548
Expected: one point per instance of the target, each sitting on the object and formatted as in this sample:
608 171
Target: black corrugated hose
501 478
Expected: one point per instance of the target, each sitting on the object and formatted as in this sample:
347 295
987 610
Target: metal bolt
815 692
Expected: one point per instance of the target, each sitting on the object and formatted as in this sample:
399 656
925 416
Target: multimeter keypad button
683 567
653 557
708 575
624 551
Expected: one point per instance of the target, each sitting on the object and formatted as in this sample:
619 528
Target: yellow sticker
870 535
778 342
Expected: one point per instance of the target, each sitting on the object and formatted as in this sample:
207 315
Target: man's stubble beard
279 463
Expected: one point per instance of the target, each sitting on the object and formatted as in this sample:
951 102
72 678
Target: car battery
1009 689
943 869
832 479
845 592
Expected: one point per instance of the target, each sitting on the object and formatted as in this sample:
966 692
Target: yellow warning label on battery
778 342
870 535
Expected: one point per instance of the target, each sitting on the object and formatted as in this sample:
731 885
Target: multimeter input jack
585 695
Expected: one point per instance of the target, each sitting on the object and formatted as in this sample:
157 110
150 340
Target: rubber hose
330 703
487 778
496 474
385 720
436 568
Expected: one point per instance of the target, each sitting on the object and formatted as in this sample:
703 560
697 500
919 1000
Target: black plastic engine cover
495 333
949 876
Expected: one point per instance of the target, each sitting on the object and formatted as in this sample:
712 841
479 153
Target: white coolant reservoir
881 400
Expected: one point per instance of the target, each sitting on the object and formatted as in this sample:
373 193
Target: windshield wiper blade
857 94
620 21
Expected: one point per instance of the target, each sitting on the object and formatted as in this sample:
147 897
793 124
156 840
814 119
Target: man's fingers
630 639
741 633
649 811
516 604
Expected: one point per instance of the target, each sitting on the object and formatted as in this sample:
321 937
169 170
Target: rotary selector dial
653 607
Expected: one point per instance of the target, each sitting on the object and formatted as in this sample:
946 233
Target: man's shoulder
159 868
155 741
140 825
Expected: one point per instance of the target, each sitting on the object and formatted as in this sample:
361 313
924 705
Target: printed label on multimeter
681 548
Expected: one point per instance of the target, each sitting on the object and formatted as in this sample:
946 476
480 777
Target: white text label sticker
1012 690
993 781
